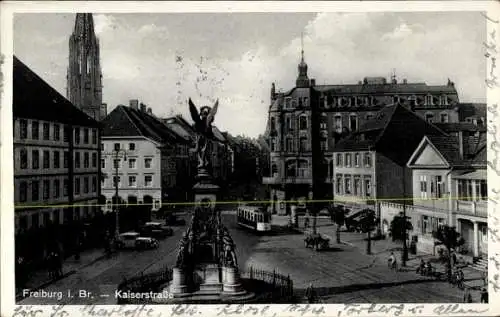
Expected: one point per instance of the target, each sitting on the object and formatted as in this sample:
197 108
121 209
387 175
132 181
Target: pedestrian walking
467 296
484 296
391 262
310 294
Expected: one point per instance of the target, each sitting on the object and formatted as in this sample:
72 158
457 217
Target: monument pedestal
180 282
211 279
232 284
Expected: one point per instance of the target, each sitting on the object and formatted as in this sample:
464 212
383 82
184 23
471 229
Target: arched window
303 122
353 122
443 117
429 100
323 121
303 144
303 170
273 144
274 170
291 169
429 117
338 123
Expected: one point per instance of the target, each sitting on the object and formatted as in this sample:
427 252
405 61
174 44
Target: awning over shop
479 174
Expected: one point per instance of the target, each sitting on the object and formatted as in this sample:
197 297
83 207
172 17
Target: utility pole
117 153
404 255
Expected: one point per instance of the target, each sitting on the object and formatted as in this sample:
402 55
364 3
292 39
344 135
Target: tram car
255 218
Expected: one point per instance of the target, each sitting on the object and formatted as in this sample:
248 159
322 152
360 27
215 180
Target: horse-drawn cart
316 241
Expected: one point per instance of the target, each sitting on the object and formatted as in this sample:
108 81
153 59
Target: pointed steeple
84 25
302 79
84 87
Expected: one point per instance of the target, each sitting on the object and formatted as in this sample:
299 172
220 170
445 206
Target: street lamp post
117 153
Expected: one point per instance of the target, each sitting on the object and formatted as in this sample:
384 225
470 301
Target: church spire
84 86
302 79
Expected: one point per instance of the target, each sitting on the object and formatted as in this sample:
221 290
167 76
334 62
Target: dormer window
429 100
443 100
288 101
443 118
429 117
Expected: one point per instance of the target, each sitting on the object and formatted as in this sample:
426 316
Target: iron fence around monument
273 287
280 286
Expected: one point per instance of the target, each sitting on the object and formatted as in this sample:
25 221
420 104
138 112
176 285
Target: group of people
425 268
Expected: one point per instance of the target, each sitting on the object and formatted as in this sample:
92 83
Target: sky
164 59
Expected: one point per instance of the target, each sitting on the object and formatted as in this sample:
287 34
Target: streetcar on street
255 218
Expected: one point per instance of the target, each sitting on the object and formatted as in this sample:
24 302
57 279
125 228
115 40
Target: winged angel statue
203 127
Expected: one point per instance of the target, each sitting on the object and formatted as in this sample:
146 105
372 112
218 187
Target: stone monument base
209 283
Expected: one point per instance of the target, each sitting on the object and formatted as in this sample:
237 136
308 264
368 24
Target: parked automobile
156 230
358 221
316 241
127 240
146 243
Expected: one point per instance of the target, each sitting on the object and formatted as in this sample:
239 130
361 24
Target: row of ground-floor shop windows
358 185
42 219
133 200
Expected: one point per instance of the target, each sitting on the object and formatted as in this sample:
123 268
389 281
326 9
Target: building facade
368 168
56 150
140 155
84 77
342 109
449 186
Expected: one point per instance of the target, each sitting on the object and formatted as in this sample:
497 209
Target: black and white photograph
280 157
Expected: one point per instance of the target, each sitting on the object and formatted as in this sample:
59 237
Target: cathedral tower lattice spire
84 79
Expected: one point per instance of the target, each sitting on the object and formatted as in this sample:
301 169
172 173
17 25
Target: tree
337 214
450 238
399 227
368 223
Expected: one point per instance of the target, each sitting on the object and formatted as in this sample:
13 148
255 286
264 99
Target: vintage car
146 243
127 240
156 230
316 241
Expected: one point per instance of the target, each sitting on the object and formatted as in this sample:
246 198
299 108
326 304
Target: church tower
84 78
302 79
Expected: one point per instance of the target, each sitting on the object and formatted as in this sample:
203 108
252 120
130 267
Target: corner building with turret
341 110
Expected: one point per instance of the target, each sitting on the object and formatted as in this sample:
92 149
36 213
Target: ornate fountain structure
206 266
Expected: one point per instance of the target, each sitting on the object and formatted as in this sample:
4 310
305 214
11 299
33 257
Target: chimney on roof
134 104
150 111
405 81
313 82
143 107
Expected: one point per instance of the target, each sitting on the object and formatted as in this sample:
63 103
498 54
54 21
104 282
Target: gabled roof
33 98
396 132
125 121
448 147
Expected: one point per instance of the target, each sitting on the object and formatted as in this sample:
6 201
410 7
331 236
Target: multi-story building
341 109
449 187
56 150
84 78
370 164
143 151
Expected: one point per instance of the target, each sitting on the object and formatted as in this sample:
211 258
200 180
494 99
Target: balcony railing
473 208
